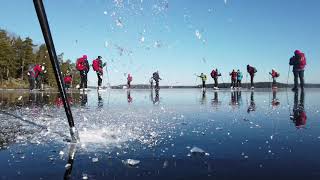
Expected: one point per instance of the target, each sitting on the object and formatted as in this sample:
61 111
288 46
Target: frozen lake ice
172 134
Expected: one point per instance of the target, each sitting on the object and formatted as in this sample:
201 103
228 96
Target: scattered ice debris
271 137
119 23
67 166
246 157
95 160
142 39
131 162
61 153
219 128
105 12
198 34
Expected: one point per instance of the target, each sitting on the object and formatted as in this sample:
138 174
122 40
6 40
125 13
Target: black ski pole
42 17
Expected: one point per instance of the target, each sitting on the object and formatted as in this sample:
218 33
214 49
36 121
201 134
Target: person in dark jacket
156 78
215 74
233 76
298 61
251 70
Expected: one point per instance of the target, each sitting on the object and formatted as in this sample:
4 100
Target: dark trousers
157 85
300 75
215 82
233 83
203 84
274 82
251 80
84 79
129 84
99 75
238 83
32 82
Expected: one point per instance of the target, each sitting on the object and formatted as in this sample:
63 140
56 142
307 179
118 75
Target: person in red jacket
233 75
274 74
33 74
251 70
82 66
98 68
299 116
298 61
129 79
215 74
67 80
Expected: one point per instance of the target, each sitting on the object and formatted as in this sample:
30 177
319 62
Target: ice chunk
95 160
131 162
61 153
20 98
84 176
67 166
196 150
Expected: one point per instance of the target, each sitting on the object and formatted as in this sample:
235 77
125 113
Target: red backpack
96 65
213 73
303 61
79 64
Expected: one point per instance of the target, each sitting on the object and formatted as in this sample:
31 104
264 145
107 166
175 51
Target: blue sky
177 37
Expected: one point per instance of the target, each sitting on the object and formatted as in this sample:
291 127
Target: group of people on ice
298 61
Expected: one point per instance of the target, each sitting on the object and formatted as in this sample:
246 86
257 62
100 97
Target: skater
203 79
298 61
98 68
299 116
33 75
233 75
239 78
214 74
129 79
251 70
67 80
156 78
274 74
82 66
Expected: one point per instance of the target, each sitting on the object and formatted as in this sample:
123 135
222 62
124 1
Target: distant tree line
17 55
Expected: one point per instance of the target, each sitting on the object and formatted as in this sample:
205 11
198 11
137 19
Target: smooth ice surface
260 134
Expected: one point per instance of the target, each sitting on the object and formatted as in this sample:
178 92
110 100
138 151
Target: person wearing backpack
251 70
274 74
156 78
33 74
82 66
233 75
129 79
98 68
239 78
67 80
298 61
203 79
214 74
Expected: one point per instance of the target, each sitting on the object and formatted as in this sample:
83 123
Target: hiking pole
288 76
42 17
108 84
